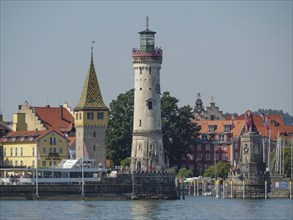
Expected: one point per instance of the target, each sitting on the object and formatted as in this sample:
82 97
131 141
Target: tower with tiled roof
147 152
91 119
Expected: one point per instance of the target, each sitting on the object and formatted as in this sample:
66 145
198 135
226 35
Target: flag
38 152
267 124
85 152
71 153
233 125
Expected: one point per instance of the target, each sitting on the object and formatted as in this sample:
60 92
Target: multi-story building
32 118
26 148
4 129
217 140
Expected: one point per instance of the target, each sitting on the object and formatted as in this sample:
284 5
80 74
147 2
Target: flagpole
82 174
269 149
37 176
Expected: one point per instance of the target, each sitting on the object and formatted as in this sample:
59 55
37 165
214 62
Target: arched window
150 105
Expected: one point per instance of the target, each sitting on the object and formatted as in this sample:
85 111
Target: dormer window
227 128
212 128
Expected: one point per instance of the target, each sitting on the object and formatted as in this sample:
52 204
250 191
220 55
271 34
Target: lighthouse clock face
157 88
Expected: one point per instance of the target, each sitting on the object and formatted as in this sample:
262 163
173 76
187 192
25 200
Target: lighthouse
147 152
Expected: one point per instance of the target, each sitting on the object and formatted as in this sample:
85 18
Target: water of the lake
190 208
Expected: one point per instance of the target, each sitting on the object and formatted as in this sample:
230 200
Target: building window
216 157
150 70
21 151
224 147
76 116
54 141
208 156
44 150
80 115
236 146
139 147
94 147
33 151
216 147
227 128
224 157
55 150
211 128
21 163
199 147
51 141
101 115
208 147
61 150
94 134
139 122
236 156
44 163
199 157
11 151
16 151
90 115
51 150
50 163
212 117
221 137
16 163
140 70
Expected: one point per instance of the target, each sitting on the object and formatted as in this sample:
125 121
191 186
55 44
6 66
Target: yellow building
25 148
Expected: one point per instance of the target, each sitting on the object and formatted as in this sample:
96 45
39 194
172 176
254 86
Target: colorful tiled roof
91 97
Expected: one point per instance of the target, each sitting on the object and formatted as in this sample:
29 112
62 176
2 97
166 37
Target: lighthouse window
150 70
150 105
140 70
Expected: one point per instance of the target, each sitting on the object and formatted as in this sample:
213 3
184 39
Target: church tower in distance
91 120
147 152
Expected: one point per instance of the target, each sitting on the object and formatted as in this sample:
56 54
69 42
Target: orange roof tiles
220 124
55 118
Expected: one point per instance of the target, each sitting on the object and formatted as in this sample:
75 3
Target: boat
68 171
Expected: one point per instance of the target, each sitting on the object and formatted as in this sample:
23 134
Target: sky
239 52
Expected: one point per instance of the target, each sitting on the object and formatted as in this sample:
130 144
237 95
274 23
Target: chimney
61 111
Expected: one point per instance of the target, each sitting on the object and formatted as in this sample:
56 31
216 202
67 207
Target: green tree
221 171
125 162
119 131
177 127
183 173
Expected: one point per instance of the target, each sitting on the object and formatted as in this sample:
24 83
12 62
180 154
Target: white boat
67 171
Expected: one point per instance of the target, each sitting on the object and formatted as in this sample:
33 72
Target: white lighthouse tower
147 153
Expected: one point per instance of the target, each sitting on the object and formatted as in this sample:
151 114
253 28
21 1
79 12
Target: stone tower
147 151
91 120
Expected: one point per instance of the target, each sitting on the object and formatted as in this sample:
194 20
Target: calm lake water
190 208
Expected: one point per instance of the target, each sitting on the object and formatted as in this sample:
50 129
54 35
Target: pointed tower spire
91 97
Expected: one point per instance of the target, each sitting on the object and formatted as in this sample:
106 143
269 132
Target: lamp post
151 155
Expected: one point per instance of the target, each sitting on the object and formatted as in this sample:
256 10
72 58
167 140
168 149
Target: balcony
53 156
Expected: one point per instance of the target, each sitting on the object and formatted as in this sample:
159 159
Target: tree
125 162
119 131
177 127
183 173
222 170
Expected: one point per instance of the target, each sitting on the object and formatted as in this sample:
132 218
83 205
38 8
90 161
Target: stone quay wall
153 185
124 186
